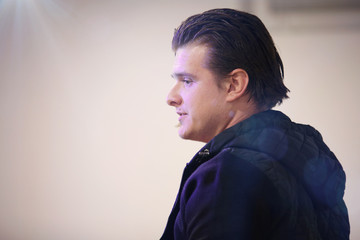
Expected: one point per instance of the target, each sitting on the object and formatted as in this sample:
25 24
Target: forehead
190 57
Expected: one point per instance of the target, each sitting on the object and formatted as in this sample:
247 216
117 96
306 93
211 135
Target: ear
237 84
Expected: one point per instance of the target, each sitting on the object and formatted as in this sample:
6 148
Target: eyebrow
182 74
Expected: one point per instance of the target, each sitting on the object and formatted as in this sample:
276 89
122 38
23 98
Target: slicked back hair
237 40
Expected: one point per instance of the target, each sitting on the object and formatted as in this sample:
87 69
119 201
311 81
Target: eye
187 81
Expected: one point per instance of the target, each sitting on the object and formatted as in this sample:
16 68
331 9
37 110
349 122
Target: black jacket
264 178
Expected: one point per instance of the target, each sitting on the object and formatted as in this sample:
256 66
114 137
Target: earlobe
238 82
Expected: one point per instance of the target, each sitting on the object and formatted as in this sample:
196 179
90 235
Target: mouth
181 115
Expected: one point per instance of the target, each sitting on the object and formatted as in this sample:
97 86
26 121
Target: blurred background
88 146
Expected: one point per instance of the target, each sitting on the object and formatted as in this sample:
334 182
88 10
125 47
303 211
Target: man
260 175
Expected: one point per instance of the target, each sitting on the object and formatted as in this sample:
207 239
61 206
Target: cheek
214 102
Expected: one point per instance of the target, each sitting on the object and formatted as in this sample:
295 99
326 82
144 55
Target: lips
181 115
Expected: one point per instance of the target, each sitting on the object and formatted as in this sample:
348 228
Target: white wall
88 147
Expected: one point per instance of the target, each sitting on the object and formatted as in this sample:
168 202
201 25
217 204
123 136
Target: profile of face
199 101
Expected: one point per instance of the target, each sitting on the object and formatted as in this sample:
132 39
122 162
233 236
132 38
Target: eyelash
187 81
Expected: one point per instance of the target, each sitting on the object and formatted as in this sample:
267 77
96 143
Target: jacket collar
259 121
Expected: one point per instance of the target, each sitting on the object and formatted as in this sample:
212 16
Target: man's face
199 101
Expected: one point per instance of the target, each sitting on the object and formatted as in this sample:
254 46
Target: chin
184 135
192 138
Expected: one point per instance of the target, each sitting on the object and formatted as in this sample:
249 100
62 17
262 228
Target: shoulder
244 171
236 191
240 163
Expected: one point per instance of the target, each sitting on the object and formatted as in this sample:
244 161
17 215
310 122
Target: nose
174 99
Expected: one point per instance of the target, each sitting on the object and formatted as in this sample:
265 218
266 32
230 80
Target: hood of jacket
299 148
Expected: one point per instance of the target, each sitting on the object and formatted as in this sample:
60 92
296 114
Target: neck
242 111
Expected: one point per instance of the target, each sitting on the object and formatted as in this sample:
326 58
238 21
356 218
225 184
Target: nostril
172 100
169 101
172 103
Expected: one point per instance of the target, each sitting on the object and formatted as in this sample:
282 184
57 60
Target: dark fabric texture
264 178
